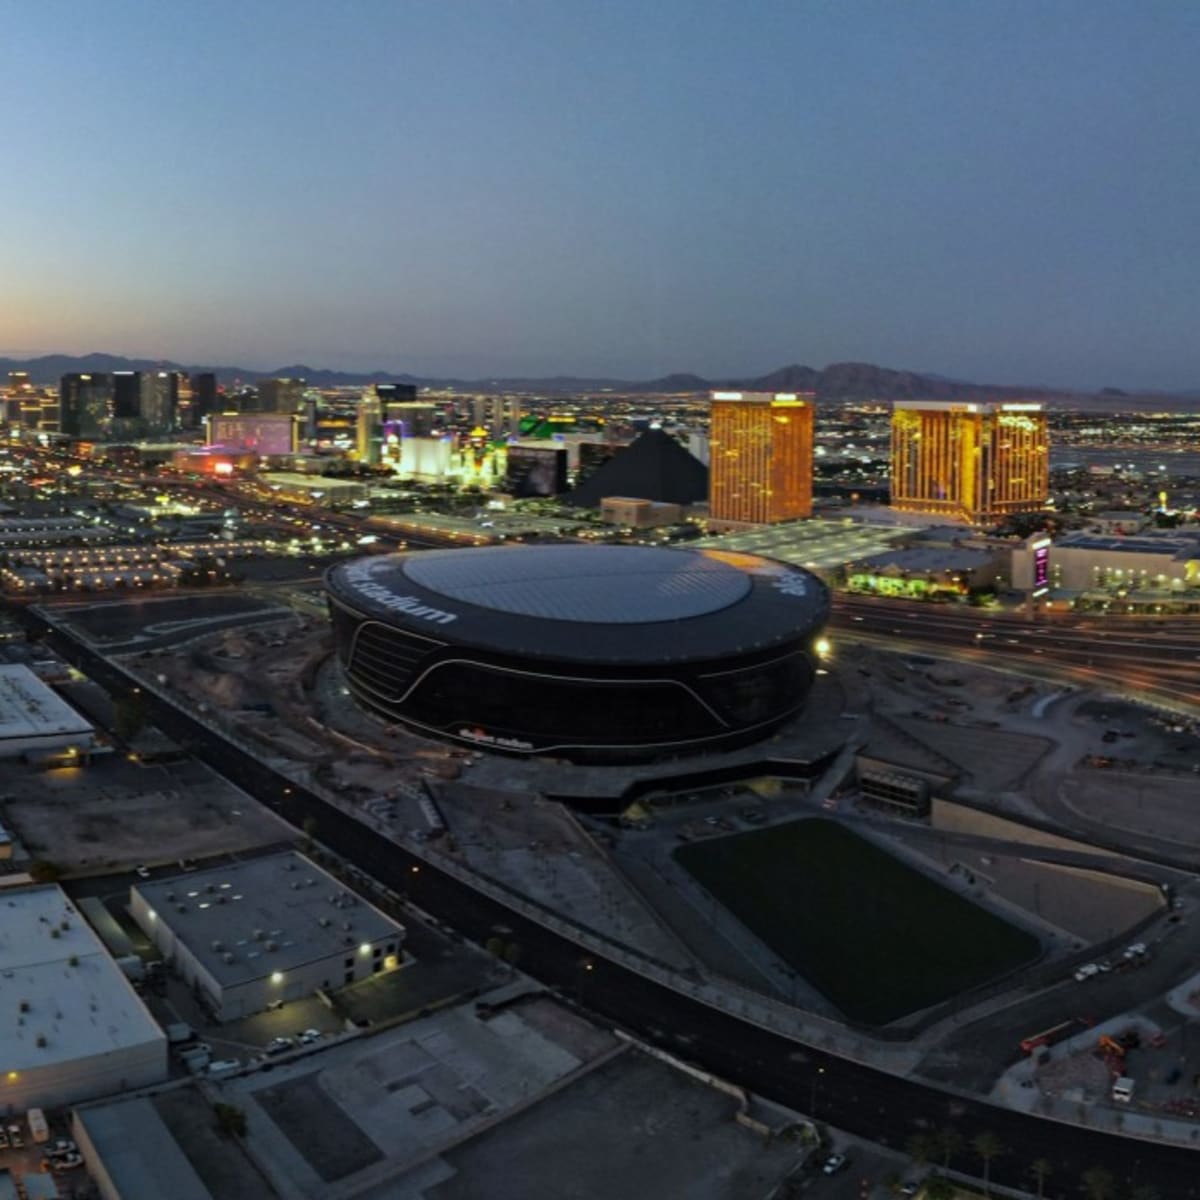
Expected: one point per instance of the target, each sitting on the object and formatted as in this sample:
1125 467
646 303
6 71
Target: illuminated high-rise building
396 393
281 395
159 410
973 462
85 404
499 415
760 456
204 397
368 441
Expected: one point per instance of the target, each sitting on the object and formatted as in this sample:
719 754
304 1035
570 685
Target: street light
582 969
812 1108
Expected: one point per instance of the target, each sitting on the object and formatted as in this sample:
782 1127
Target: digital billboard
263 433
536 471
1041 567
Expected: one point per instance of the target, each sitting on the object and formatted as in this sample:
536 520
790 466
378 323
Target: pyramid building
654 467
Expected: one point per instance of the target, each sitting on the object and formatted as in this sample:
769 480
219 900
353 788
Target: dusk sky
1001 190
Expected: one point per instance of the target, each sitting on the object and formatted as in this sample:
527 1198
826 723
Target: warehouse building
35 723
71 1026
254 934
126 1167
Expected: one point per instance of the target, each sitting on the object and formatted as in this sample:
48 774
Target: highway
1160 660
858 1098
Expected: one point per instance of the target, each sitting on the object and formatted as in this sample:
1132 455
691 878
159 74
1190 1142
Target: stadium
587 653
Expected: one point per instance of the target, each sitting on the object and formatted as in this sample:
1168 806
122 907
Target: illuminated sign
791 585
1020 408
727 395
358 576
1041 566
482 738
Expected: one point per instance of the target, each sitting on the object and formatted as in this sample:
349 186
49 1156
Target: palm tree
987 1146
937 1187
1099 1184
949 1142
920 1148
1039 1169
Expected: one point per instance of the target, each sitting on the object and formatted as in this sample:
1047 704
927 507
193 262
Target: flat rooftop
816 543
929 558
150 1164
1176 546
28 708
276 913
58 983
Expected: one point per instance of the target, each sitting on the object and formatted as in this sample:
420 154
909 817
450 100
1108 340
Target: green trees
920 1148
939 1188
42 870
129 716
1039 1169
987 1146
1099 1184
948 1142
231 1120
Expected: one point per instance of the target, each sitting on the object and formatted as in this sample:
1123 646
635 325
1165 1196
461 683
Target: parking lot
114 813
20 1155
437 968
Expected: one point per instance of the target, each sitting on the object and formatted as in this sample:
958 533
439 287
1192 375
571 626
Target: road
1159 661
858 1098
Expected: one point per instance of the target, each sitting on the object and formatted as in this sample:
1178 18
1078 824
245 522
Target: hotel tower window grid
976 462
761 448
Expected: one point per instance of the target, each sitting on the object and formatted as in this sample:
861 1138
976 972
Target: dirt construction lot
114 814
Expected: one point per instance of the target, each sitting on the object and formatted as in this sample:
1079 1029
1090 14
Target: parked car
142 871
68 1162
1086 972
833 1164
308 1037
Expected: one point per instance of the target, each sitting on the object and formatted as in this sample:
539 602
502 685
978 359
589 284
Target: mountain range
835 383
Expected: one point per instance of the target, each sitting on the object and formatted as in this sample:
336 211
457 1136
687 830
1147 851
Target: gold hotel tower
973 462
760 456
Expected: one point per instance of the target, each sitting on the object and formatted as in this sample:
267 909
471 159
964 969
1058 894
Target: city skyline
533 190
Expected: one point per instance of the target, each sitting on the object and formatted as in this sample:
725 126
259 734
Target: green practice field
876 937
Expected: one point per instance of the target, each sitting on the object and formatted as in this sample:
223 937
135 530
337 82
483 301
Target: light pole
582 970
812 1108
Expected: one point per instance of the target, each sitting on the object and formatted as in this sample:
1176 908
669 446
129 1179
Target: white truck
1122 1089
38 1128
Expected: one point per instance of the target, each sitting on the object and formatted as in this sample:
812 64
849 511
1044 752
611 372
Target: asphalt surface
1159 661
860 1099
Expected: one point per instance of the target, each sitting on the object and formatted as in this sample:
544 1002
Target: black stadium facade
589 653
